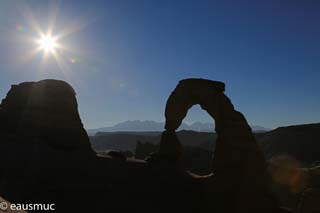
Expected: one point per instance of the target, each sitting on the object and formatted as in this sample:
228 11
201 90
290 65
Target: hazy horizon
185 122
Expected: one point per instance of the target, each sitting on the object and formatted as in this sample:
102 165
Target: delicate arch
238 164
234 133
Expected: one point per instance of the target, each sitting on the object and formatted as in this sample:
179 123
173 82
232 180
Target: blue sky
130 54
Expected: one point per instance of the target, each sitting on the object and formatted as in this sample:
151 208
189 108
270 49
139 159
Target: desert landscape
190 106
50 159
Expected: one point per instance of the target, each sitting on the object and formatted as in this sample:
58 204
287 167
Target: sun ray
28 15
30 54
62 66
75 27
53 17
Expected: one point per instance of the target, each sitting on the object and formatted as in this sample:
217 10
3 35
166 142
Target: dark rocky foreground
46 157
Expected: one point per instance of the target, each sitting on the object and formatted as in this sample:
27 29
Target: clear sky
124 57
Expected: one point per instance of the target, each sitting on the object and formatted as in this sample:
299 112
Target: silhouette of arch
238 164
234 133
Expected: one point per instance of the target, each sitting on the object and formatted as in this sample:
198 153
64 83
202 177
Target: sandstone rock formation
45 151
46 110
239 166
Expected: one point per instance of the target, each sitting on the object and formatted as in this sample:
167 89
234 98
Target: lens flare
286 170
20 28
73 60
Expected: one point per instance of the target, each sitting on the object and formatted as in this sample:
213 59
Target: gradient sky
130 54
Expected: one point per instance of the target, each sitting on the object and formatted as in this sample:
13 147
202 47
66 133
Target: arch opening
197 138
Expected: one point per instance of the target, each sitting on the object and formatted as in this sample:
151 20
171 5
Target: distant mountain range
128 140
153 126
301 142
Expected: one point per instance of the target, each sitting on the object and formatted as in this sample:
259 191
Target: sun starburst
47 43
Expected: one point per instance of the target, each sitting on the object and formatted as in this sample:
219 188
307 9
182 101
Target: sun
49 40
47 43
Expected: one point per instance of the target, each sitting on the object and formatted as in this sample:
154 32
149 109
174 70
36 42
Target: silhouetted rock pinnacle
46 111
